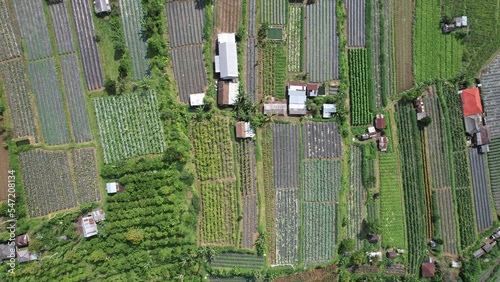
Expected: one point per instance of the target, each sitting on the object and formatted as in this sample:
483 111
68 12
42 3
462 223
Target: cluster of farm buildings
17 249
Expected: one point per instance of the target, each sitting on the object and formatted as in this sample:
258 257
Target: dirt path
4 168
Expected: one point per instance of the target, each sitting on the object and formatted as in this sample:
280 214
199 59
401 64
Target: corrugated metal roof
197 99
228 60
226 37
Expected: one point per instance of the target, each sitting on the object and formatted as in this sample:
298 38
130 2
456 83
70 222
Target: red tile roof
428 269
380 122
471 102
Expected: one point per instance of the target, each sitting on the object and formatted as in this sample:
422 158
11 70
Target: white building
102 6
226 63
329 110
197 99
89 227
112 187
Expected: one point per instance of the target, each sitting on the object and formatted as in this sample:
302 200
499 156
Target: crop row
412 175
484 217
129 126
75 97
47 181
447 220
89 51
287 226
252 78
213 149
189 70
236 260
321 180
356 198
490 93
247 166
273 11
33 28
135 37
429 208
85 174
356 22
219 224
319 224
454 106
250 221
294 38
186 20
322 50
361 95
465 212
392 220
321 140
494 166
228 15
274 70
252 15
49 100
18 98
10 47
286 155
62 28
269 191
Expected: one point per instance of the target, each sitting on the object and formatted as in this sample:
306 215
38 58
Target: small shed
461 21
433 244
312 90
471 102
197 99
479 253
380 122
25 256
447 28
382 143
6 251
488 246
428 269
98 215
473 123
391 255
329 110
275 109
227 92
102 6
373 238
112 187
297 95
22 241
483 136
454 264
244 130
371 131
89 226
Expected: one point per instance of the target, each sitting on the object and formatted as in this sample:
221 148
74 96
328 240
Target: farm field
45 85
355 23
131 14
287 226
269 190
129 126
274 70
85 174
75 97
185 21
321 180
321 140
443 57
387 53
318 240
356 198
494 166
273 11
286 155
361 92
252 15
33 28
252 77
490 92
189 70
228 15
376 40
403 18
47 180
89 51
322 62
484 218
13 76
295 38
231 260
10 46
61 28
392 211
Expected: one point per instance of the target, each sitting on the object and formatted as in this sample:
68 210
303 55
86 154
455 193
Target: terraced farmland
62 28
135 37
322 41
89 51
355 22
490 93
294 38
186 20
252 77
321 140
189 70
494 166
47 181
129 126
286 155
49 101
10 46
318 232
33 28
484 217
75 97
85 174
321 180
287 226
235 260
13 77
356 198
273 11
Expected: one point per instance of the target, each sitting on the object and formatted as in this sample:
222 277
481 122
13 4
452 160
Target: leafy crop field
245 150
189 70
185 21
13 77
236 260
392 219
129 126
355 23
287 226
61 28
360 87
44 83
295 38
273 11
322 41
131 14
269 190
10 46
484 217
85 174
356 198
321 140
274 70
318 243
402 22
286 155
321 180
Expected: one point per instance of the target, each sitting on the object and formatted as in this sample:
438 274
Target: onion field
135 37
10 46
286 155
62 28
361 92
185 21
356 198
273 11
89 51
129 126
321 180
189 70
484 217
287 226
75 97
85 174
322 41
13 77
321 140
47 181
33 28
356 22
494 166
295 38
236 260
490 92
319 235
49 100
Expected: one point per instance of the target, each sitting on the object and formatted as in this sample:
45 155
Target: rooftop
329 110
380 122
471 102
89 226
227 92
98 215
428 269
275 109
102 6
197 99
244 130
112 187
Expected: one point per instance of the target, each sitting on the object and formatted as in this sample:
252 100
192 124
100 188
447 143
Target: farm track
189 70
321 140
228 16
403 18
89 51
356 198
62 28
273 11
355 22
185 21
484 217
10 45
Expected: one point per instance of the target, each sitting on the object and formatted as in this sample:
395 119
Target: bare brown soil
403 19
321 274
228 15
4 170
